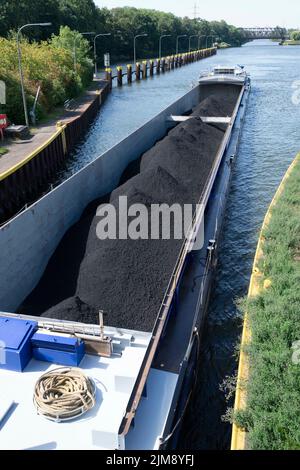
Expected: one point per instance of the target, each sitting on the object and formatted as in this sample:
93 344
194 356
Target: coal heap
127 279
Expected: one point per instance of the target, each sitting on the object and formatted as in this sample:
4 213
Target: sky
237 12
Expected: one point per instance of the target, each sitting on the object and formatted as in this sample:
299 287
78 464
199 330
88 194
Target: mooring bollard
151 68
158 65
108 76
145 68
129 73
138 71
120 76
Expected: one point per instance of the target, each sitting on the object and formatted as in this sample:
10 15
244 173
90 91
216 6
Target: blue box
15 343
66 351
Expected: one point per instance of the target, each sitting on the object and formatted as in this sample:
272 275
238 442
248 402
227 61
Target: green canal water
270 140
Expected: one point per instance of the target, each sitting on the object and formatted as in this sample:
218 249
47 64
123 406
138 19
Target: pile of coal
127 278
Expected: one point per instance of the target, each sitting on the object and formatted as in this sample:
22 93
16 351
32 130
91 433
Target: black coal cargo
127 279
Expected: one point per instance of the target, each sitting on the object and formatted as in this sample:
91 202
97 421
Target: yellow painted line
238 438
32 155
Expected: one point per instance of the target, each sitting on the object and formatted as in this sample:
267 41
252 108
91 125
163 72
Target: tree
295 35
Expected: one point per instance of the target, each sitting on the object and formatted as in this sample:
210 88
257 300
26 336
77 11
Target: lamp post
190 39
177 41
199 39
20 65
95 50
210 36
89 33
134 45
160 42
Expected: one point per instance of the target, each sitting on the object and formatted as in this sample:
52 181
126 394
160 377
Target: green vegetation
49 64
48 51
291 42
273 406
123 23
3 150
295 35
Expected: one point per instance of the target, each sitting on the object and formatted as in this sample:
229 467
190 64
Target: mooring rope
64 393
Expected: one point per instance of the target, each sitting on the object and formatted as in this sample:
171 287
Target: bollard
176 61
180 61
158 65
163 65
172 62
151 68
145 69
120 76
108 76
138 71
129 73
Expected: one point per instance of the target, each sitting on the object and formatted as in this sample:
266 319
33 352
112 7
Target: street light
89 33
20 65
210 36
134 45
160 40
199 39
177 41
190 38
95 51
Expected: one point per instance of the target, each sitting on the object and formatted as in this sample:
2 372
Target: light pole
20 65
95 50
190 39
199 39
177 41
89 33
160 41
134 45
210 36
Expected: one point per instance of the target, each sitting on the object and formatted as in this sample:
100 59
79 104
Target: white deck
23 428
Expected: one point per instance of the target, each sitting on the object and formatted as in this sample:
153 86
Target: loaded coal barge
64 285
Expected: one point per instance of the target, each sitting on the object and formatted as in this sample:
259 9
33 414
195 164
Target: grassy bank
272 409
291 42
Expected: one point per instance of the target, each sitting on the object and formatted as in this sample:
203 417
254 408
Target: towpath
19 149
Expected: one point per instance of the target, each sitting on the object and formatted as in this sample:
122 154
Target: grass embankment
48 64
272 412
290 42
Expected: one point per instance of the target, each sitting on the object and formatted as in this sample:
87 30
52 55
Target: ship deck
22 428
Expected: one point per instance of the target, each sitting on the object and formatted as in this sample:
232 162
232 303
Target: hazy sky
238 12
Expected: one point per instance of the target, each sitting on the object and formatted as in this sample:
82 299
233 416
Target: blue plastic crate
15 343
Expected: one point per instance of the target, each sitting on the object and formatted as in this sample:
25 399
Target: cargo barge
142 364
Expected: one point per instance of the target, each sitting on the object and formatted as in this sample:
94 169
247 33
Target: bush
48 64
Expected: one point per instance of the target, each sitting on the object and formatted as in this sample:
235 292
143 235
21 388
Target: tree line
122 23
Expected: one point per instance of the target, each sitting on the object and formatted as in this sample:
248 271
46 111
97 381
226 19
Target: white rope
64 393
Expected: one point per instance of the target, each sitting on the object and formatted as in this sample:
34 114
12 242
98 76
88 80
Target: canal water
270 141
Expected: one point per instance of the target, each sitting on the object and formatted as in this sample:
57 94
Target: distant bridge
265 33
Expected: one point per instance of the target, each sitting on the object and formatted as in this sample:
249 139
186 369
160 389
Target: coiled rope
64 393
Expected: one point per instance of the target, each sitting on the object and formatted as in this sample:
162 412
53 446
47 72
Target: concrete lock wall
29 240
